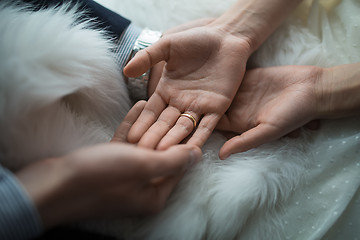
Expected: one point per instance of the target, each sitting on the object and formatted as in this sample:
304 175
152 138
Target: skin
272 102
184 87
108 180
203 71
120 179
157 70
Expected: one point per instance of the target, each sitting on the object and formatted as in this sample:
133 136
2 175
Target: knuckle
204 128
140 104
152 164
150 112
146 51
165 123
186 126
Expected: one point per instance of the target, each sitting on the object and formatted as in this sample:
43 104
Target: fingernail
195 156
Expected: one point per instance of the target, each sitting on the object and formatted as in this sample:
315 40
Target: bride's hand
271 103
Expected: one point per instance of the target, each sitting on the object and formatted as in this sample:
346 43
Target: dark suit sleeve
105 18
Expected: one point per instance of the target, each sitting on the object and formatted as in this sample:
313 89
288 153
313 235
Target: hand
157 70
270 103
108 180
204 68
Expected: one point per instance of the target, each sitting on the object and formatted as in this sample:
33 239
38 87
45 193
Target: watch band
137 86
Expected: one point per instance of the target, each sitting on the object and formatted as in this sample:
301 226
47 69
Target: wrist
255 20
338 91
240 44
46 181
237 27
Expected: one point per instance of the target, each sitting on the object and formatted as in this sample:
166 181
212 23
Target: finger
147 58
313 125
204 130
250 139
158 130
122 131
182 128
172 161
148 116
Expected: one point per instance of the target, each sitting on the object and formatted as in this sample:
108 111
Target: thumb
174 160
147 58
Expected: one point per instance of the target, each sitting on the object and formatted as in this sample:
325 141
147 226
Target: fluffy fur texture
60 89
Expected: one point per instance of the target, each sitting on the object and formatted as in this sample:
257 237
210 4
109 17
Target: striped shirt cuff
19 218
125 44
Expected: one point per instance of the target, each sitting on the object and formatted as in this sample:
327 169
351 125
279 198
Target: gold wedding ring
189 116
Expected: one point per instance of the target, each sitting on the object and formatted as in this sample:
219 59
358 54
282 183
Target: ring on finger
191 117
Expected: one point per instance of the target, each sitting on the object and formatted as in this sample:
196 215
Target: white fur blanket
60 89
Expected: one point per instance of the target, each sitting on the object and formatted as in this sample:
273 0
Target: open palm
204 68
270 103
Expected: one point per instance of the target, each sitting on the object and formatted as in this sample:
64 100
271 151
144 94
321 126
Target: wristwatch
137 86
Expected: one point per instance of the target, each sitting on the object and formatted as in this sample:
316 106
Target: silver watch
138 86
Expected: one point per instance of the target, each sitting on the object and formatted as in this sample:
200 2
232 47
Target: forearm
45 182
19 218
255 19
338 91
